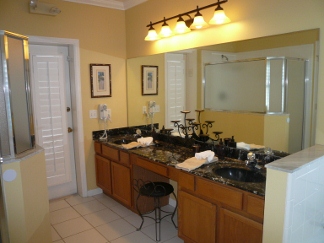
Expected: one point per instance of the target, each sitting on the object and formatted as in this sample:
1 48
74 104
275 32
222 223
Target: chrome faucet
250 159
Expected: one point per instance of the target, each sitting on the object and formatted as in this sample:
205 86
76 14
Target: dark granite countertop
170 154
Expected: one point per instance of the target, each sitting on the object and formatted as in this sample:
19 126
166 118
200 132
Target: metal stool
155 190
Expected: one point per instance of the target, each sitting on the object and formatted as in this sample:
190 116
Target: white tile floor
100 219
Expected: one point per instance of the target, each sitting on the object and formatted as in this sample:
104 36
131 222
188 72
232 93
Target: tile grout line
65 199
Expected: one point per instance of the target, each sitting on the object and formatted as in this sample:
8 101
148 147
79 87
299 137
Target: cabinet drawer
159 169
124 158
186 181
110 153
219 193
97 147
173 173
255 206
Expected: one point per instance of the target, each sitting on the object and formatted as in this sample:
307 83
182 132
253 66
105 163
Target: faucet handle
138 132
250 159
251 156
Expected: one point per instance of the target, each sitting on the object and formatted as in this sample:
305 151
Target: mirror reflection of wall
274 85
17 129
304 43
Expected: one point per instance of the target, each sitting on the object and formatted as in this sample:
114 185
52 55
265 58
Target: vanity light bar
184 26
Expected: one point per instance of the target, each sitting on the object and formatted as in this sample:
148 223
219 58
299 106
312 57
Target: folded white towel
255 146
242 145
208 154
131 145
145 141
193 163
246 146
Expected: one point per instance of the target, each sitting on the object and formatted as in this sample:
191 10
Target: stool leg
139 213
157 219
175 209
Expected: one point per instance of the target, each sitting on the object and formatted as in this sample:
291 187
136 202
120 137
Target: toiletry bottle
220 149
232 143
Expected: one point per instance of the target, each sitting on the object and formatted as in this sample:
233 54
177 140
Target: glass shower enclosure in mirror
272 85
16 120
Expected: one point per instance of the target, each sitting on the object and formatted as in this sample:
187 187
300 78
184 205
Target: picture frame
149 80
100 77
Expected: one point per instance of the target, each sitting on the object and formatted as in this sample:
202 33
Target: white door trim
74 53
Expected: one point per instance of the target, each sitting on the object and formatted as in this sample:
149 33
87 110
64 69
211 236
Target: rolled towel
208 154
145 141
242 145
191 164
255 146
131 145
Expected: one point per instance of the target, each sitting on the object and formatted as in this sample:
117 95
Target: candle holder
217 135
195 127
186 127
201 126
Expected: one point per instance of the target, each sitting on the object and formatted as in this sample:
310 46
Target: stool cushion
156 189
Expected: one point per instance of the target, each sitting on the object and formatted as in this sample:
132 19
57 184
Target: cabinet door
197 219
121 183
235 228
103 177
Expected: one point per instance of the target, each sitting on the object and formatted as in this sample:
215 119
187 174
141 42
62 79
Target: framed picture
100 76
149 80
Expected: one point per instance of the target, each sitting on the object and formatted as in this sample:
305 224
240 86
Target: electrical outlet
93 114
157 108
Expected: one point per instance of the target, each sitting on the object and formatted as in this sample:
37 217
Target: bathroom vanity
210 208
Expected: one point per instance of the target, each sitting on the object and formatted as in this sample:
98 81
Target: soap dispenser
232 143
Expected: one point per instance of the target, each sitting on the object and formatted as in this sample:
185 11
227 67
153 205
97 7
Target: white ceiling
115 4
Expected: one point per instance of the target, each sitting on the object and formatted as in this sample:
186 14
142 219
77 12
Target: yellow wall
247 127
136 100
268 130
263 19
276 132
102 39
27 209
117 104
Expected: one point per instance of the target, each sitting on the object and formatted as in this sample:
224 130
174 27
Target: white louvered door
51 97
175 88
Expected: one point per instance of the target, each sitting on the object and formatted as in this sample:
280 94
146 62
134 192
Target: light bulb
219 17
165 30
151 35
181 27
199 22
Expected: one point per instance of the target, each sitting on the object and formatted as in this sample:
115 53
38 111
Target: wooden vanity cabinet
196 219
212 212
113 173
208 211
103 174
121 183
234 227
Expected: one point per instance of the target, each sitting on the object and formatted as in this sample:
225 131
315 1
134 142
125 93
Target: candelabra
187 126
195 129
200 126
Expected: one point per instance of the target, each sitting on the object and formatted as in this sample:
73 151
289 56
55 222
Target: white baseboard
94 192
172 202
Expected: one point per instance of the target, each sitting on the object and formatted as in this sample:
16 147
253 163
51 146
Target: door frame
75 78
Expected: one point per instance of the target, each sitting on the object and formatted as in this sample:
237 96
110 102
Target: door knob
68 109
70 129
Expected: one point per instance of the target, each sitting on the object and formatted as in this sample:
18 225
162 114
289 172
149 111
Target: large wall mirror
250 127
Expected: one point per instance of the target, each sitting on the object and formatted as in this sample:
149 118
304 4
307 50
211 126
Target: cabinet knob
70 130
